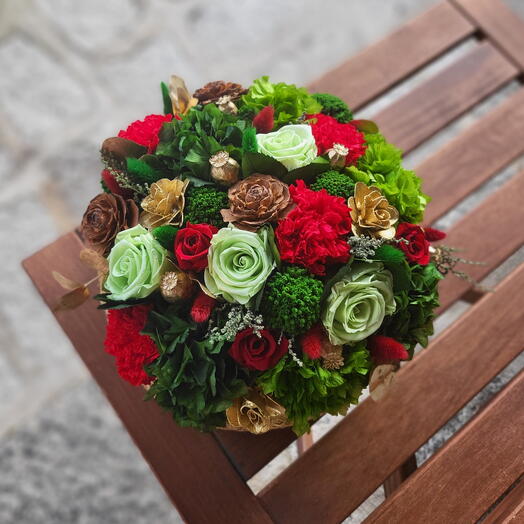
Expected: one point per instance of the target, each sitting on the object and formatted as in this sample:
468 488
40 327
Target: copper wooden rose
165 203
105 216
371 213
257 200
212 91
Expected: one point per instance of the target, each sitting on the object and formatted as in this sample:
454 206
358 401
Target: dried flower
224 169
116 150
165 203
257 200
337 155
371 213
105 216
212 91
175 286
331 355
226 105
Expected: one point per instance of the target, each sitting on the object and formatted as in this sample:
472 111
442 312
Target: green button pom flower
293 145
358 303
239 263
136 264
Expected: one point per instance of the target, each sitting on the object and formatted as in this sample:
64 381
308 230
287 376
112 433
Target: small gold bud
224 169
226 105
176 285
337 155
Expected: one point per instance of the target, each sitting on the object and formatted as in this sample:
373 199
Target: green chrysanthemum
334 106
291 301
335 183
203 205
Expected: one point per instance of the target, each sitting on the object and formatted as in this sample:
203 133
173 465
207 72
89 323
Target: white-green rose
239 263
136 264
357 304
293 145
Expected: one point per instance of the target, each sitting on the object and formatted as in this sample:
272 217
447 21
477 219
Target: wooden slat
473 157
489 234
352 460
468 475
394 481
499 23
381 66
511 509
428 108
190 465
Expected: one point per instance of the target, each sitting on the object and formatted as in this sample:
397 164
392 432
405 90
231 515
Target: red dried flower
311 342
145 132
313 234
202 307
328 131
386 349
434 235
124 341
417 247
112 185
264 121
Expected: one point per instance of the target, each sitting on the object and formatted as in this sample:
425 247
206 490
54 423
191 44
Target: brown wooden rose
212 91
106 215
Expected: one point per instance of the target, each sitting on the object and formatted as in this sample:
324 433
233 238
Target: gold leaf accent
65 282
95 261
381 381
73 299
180 97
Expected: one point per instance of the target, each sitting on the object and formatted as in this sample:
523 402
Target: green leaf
168 106
264 164
307 173
366 126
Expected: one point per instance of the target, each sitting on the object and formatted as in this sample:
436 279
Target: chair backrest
205 474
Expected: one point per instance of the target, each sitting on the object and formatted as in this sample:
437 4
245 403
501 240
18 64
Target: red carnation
258 351
434 235
202 307
314 233
311 342
328 131
385 350
191 246
417 247
124 341
145 132
264 120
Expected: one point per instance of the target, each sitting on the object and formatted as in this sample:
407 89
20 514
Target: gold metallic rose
371 213
224 169
256 413
164 204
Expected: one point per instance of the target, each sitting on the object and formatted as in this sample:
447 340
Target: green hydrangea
291 300
165 236
380 156
289 101
334 106
203 205
335 183
309 391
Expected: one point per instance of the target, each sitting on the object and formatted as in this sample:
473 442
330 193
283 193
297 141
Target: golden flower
165 203
371 213
257 200
224 169
176 285
256 413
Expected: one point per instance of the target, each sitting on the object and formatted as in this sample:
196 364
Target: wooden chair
205 474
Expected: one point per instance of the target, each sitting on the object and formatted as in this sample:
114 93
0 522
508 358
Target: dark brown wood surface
190 465
511 509
337 474
499 23
426 109
469 473
381 66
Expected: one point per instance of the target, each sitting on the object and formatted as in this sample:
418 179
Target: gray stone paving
72 74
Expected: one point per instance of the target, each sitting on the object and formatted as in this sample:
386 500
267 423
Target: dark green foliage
140 172
334 106
203 205
166 236
249 140
186 145
412 323
195 379
335 183
105 189
389 253
291 300
168 106
310 391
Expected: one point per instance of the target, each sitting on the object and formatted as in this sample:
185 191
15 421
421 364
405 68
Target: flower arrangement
259 255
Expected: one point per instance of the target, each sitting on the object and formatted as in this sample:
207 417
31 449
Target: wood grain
511 509
381 66
499 23
190 465
469 160
472 470
351 461
438 101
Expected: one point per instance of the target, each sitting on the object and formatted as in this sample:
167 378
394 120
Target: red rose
258 352
191 246
315 233
145 132
417 246
328 131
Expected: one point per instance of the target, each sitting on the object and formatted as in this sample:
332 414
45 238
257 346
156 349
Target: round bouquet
260 255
